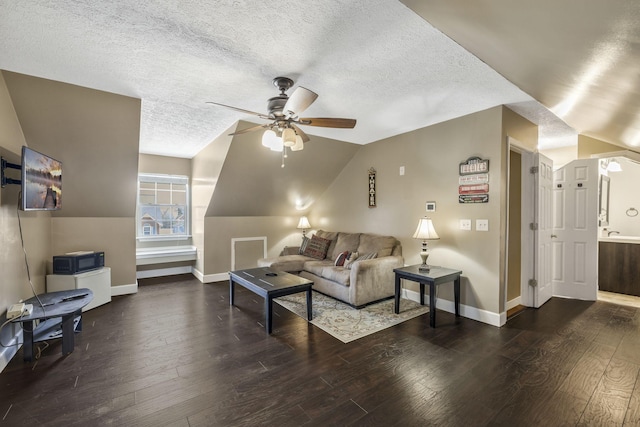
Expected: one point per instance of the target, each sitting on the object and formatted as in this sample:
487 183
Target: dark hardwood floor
177 354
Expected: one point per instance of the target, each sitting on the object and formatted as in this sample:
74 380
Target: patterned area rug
347 323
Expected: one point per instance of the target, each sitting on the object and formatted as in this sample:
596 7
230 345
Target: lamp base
424 266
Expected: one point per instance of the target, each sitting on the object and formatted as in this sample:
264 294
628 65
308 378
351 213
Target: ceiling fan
284 115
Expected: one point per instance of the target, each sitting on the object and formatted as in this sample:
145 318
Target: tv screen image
41 181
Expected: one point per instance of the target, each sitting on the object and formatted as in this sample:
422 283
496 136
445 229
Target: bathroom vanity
619 264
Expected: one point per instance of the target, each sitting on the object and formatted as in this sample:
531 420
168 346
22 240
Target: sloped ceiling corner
253 183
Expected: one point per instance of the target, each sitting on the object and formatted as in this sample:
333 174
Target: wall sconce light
425 231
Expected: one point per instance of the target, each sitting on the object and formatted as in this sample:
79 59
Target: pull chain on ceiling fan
284 111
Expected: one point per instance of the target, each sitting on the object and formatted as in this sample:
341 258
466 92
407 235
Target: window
163 206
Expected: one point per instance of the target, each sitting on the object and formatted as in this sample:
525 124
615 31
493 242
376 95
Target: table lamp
303 224
425 231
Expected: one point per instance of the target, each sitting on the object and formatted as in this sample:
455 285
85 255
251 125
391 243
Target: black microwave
77 262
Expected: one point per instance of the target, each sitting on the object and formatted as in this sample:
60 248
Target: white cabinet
99 281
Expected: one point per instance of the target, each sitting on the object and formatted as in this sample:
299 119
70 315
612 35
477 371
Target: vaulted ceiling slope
372 60
581 59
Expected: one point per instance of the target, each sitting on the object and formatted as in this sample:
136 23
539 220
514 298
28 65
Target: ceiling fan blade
253 113
300 100
304 136
328 122
251 129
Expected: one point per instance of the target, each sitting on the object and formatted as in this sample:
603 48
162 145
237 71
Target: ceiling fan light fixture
288 137
277 145
268 137
299 145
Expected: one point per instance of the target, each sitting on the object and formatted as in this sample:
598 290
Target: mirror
603 216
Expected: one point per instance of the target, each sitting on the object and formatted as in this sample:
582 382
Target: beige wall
431 158
95 135
149 163
588 146
36 226
205 169
280 231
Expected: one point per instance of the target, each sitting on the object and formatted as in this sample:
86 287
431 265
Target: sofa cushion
284 262
316 266
337 274
345 242
317 247
370 243
329 235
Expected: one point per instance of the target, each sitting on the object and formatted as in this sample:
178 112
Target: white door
543 209
575 230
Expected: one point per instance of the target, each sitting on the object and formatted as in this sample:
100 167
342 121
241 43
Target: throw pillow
350 260
303 246
370 255
317 247
342 257
362 257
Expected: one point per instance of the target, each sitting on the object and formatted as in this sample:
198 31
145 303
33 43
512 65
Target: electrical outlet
465 224
482 225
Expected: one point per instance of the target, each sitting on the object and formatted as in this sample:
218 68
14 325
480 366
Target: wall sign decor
372 188
474 165
473 183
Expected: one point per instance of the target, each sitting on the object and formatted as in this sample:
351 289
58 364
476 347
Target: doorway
520 261
514 242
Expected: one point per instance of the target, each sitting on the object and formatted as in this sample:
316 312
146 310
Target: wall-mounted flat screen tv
41 181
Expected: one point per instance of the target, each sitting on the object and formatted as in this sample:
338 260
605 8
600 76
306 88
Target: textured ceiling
374 61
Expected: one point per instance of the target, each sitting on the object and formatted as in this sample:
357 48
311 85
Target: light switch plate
482 225
465 224
401 170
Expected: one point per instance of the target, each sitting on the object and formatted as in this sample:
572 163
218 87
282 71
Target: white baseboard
484 316
159 272
7 353
217 277
124 289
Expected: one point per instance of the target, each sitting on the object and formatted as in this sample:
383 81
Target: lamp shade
270 139
303 223
425 230
288 137
299 145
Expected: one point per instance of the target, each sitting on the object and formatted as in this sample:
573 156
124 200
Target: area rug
347 323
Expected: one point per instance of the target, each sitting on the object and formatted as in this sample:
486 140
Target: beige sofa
360 283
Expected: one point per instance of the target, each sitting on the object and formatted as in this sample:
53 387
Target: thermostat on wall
431 206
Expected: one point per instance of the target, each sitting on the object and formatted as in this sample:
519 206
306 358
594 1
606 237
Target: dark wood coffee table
270 284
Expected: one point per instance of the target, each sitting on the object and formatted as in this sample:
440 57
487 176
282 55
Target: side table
435 276
63 304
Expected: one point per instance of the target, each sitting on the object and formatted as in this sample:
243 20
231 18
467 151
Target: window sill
162 238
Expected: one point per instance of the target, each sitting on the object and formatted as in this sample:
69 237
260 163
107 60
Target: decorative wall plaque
474 181
372 188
